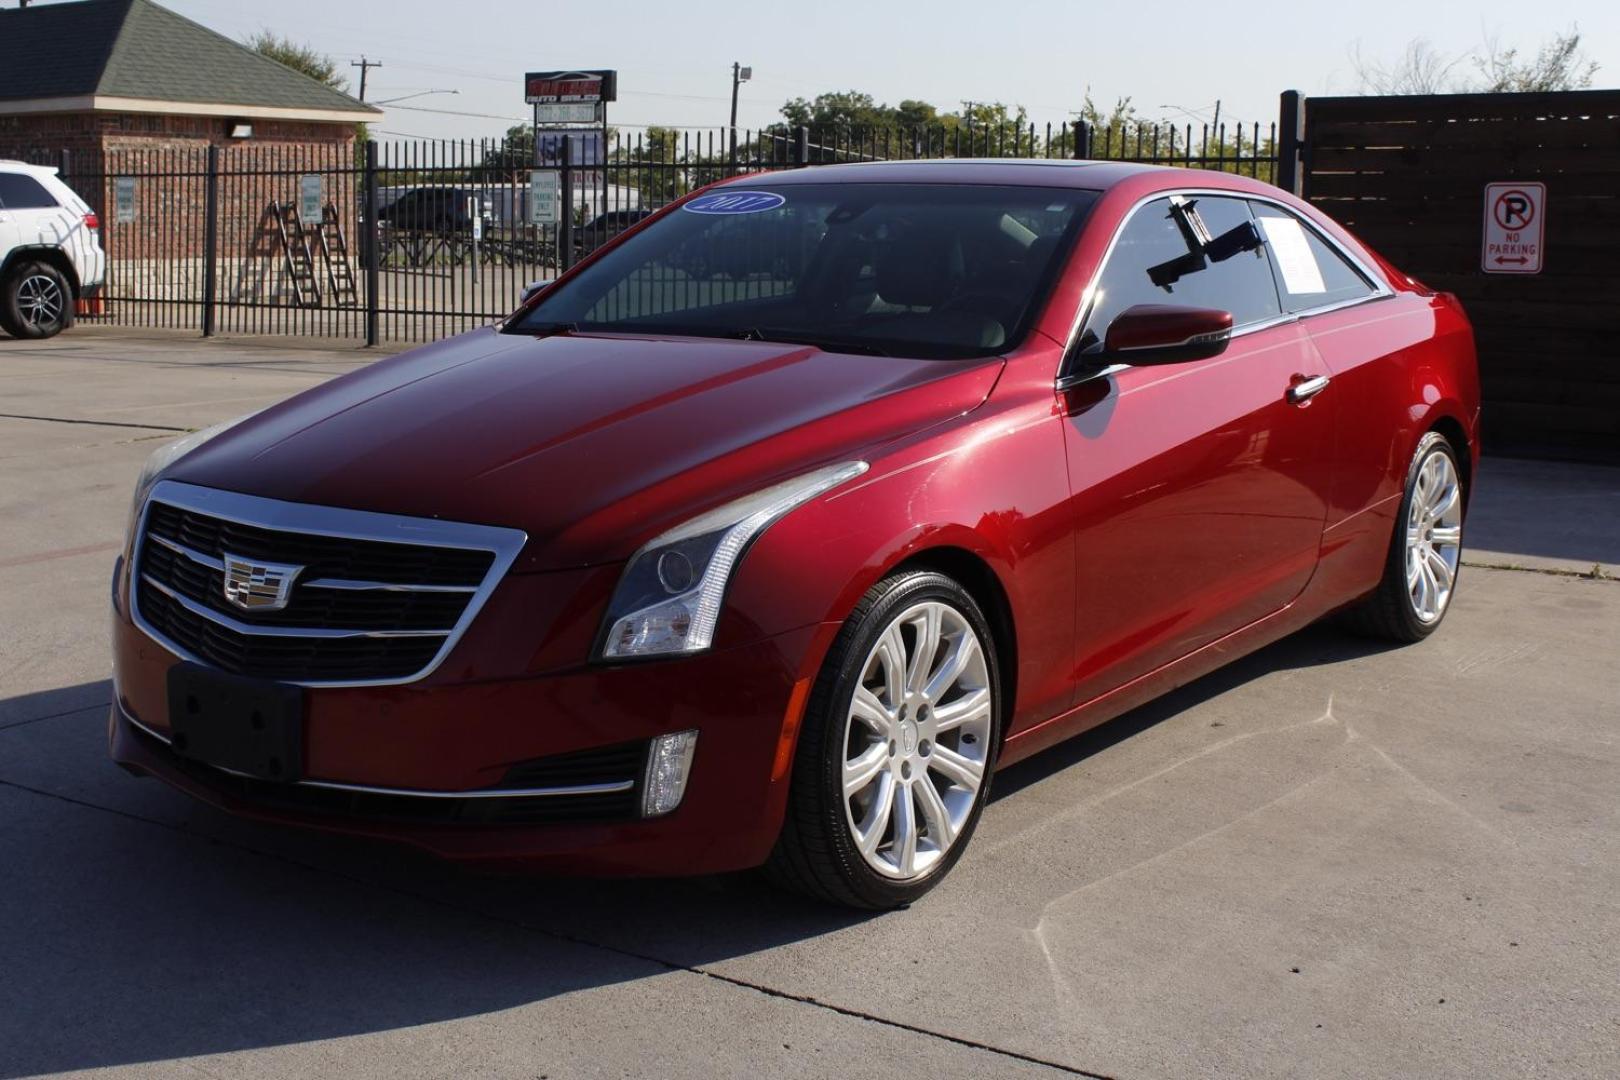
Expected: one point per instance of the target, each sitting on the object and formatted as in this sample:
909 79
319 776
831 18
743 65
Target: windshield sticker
1301 275
734 202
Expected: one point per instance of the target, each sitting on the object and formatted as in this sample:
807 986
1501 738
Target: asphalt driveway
1330 859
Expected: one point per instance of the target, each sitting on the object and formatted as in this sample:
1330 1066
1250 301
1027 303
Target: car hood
591 444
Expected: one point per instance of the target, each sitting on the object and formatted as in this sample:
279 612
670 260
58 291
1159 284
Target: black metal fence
416 240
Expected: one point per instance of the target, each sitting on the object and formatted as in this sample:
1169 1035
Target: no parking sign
1515 225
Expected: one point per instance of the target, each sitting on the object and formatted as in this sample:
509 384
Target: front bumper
389 761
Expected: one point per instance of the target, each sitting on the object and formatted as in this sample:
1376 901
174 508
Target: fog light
669 761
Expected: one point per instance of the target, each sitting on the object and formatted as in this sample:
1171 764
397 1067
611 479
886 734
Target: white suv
50 252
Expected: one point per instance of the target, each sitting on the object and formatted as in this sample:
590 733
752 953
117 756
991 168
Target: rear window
929 270
1310 273
20 192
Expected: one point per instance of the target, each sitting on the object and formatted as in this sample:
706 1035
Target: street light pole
739 75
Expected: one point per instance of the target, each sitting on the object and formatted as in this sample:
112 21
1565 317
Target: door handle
1303 388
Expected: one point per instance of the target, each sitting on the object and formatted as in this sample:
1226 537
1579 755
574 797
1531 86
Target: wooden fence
1408 175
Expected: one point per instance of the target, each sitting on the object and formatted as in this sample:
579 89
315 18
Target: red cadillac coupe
768 533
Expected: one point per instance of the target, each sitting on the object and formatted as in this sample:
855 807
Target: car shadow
1323 643
141 926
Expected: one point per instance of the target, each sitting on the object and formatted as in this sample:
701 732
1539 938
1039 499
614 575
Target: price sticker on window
1293 255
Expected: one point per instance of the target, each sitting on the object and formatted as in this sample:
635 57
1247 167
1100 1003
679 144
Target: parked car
50 251
665 576
436 209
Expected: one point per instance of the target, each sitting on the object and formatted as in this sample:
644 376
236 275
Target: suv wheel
35 301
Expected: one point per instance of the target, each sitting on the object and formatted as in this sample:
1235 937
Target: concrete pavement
1329 859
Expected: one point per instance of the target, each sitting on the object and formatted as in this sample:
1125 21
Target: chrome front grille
376 598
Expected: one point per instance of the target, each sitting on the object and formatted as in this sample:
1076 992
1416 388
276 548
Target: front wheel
35 301
893 763
1420 575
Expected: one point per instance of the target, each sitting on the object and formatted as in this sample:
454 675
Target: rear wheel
894 758
35 301
1420 576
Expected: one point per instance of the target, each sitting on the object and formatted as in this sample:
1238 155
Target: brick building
106 75
126 91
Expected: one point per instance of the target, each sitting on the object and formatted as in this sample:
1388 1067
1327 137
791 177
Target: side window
1310 272
19 192
1155 261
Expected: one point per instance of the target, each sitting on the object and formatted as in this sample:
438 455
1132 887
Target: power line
456 112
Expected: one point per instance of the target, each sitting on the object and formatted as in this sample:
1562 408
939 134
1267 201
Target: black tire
1388 613
816 853
21 323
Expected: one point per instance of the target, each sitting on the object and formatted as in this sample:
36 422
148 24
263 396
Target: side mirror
530 289
1166 334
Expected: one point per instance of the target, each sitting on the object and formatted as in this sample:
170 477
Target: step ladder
334 247
296 253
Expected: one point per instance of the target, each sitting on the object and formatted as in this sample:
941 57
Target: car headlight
669 597
169 453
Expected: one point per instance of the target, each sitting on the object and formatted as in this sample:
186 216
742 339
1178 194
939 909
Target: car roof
1028 172
12 165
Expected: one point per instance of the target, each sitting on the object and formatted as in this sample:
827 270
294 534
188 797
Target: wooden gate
1408 176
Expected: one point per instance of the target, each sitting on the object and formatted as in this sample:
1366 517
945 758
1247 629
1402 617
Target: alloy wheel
1433 537
916 740
40 301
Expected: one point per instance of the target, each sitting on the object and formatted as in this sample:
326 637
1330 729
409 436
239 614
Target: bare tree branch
1422 69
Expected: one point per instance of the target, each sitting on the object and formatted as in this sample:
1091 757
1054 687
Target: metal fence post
1082 140
369 247
801 145
1290 140
565 218
210 239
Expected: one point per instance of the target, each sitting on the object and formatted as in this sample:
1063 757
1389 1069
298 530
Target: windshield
924 270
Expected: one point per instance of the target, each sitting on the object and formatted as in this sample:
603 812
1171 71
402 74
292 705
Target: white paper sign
309 199
124 199
1292 252
544 197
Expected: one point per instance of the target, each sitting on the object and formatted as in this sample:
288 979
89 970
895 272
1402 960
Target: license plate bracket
245 725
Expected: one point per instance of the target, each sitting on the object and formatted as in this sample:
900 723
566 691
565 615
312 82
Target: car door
1198 494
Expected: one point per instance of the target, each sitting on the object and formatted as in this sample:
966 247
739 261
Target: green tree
851 125
658 152
513 155
307 60
304 59
845 108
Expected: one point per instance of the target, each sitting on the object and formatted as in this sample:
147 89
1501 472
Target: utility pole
1217 123
365 66
739 75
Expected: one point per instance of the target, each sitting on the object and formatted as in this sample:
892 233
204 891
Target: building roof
117 51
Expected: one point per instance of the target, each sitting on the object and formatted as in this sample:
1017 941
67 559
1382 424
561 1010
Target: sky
1173 59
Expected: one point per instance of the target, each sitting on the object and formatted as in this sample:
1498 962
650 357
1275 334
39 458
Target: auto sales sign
576 87
1515 225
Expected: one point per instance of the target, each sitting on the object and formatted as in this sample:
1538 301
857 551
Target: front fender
993 485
